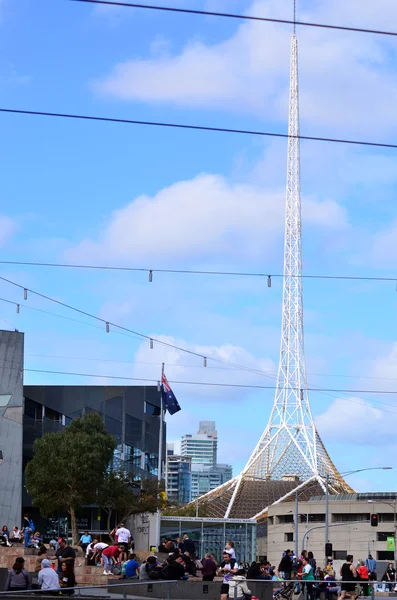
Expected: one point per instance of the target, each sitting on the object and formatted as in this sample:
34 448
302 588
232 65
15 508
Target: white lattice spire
290 449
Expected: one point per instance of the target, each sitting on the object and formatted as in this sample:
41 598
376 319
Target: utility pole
326 516
296 524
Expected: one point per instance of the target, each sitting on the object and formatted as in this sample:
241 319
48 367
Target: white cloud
385 368
180 366
343 76
384 248
200 217
356 422
8 228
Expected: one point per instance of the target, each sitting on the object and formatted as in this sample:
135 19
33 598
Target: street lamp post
394 506
327 480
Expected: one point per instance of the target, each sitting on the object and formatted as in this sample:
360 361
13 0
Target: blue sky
82 192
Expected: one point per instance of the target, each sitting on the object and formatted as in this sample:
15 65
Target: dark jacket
286 564
172 570
189 546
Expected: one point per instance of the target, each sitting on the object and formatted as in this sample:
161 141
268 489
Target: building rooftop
358 497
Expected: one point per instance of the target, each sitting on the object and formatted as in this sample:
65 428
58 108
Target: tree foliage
68 467
121 494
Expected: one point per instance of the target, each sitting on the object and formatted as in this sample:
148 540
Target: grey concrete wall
182 590
11 426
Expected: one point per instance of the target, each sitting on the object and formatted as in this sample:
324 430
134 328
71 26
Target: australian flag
168 397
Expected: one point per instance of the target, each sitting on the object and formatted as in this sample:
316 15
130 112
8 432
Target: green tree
120 494
68 467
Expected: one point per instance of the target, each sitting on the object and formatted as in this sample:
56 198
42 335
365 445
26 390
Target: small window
152 410
385 555
339 554
381 536
33 409
288 537
282 519
53 415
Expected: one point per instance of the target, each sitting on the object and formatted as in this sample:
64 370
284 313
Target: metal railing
127 589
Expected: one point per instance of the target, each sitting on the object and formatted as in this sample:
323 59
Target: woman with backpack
18 578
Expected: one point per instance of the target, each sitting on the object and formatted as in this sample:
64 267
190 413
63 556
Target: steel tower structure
290 455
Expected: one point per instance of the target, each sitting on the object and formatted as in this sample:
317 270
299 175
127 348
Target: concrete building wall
11 416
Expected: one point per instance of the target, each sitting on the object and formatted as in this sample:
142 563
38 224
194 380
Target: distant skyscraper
178 476
206 478
203 446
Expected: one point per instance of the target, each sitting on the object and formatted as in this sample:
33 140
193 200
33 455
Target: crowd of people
25 534
54 570
302 574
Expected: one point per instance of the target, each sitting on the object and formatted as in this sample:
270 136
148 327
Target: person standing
65 553
26 530
364 576
285 566
308 577
209 568
390 576
123 536
180 545
349 577
370 563
189 546
18 578
227 569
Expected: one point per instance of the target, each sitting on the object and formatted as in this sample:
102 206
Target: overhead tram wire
121 329
194 271
272 374
208 13
214 384
232 365
194 127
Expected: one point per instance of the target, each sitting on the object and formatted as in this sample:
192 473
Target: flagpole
160 463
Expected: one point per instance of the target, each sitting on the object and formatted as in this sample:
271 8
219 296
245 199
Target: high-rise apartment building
206 478
203 446
178 477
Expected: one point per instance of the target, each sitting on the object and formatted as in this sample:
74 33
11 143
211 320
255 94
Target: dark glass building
131 415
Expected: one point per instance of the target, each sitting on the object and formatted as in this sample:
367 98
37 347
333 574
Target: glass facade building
178 478
206 478
130 413
211 535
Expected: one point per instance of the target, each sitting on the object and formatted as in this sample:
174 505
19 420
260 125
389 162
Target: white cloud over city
201 218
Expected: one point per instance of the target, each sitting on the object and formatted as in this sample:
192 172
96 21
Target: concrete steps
84 575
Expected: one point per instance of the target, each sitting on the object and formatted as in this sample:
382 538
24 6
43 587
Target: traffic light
374 520
328 549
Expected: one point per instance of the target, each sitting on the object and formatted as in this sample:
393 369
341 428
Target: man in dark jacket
172 569
189 546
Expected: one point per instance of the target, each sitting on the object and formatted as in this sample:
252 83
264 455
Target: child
229 548
238 587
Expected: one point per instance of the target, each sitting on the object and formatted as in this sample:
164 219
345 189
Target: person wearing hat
18 578
48 579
